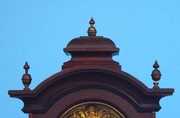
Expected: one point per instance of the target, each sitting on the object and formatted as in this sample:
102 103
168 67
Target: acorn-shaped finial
26 78
156 75
91 30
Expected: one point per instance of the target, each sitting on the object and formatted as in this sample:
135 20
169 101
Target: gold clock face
92 110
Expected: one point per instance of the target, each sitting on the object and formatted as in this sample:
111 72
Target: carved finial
26 78
91 22
156 75
156 65
91 29
26 67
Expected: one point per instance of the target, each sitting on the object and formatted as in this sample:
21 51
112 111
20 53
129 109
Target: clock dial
92 110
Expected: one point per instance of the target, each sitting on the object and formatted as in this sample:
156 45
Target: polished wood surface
91 75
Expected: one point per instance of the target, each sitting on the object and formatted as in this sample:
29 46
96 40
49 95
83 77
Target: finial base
156 85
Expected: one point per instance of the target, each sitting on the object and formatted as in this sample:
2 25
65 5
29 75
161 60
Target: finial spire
26 67
156 65
156 74
92 29
26 78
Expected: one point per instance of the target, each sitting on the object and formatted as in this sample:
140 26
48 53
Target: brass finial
26 78
156 75
92 29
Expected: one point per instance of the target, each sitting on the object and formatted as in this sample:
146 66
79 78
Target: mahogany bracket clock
91 85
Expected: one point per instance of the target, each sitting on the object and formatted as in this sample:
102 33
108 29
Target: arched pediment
64 76
65 82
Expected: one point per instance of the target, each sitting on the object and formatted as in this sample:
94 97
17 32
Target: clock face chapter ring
92 110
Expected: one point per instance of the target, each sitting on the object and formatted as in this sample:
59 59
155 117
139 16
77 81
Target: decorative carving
156 75
92 30
26 79
92 110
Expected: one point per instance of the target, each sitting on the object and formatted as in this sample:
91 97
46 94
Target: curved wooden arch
63 83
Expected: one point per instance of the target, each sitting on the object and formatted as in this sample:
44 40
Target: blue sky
37 31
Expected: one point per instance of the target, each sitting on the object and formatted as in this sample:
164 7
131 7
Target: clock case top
91 75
